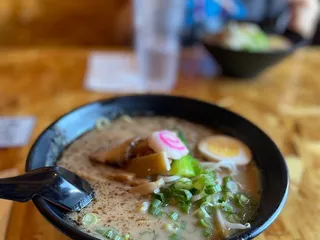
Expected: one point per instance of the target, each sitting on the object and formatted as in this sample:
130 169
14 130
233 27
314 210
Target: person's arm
305 15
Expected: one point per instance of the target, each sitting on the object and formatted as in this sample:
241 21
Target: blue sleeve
189 13
212 9
241 12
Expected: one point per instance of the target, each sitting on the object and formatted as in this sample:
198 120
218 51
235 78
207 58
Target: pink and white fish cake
167 141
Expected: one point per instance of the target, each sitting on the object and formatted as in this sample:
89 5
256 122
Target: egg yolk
223 147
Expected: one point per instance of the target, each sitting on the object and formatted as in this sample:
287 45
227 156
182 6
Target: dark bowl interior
274 175
243 64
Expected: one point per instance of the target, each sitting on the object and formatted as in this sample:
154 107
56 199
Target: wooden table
284 101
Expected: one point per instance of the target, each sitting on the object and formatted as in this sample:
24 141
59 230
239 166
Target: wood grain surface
66 23
284 101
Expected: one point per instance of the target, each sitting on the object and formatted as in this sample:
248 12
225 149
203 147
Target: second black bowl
244 64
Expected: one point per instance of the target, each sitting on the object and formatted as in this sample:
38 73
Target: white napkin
15 131
112 72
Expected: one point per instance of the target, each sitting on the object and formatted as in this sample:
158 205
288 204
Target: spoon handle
24 187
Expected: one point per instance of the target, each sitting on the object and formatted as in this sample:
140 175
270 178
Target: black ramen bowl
60 134
244 64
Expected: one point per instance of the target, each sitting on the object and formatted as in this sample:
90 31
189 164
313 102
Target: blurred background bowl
244 64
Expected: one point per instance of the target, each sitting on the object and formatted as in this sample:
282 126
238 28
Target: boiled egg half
224 148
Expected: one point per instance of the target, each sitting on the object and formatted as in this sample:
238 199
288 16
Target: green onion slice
126 236
156 203
89 219
116 237
173 215
174 237
172 228
228 208
184 183
207 232
204 222
160 196
186 207
155 211
109 234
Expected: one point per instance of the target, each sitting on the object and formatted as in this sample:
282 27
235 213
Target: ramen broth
119 209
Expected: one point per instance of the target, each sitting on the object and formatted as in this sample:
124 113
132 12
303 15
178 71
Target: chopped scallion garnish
228 208
212 189
102 230
159 196
186 207
182 195
204 180
217 188
173 215
207 232
144 206
126 236
209 191
202 213
109 234
205 223
155 211
156 203
184 183
244 199
187 194
206 204
226 179
89 219
229 195
117 237
174 237
172 228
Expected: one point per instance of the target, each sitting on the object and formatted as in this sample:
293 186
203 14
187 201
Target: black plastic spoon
54 184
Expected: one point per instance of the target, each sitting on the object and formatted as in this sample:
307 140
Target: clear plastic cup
157 31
